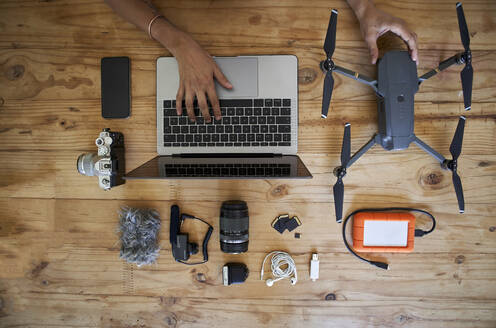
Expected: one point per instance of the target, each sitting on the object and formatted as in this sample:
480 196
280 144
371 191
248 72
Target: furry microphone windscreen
139 230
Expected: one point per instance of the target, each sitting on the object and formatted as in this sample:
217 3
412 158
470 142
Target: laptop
256 138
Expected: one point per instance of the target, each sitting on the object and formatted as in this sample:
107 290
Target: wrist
361 8
167 34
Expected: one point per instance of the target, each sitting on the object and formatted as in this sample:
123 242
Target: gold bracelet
150 25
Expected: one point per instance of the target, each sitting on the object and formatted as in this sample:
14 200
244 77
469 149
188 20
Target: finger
179 99
212 96
202 103
189 105
400 28
415 48
371 41
221 78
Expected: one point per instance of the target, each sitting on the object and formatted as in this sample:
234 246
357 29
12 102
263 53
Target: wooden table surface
59 254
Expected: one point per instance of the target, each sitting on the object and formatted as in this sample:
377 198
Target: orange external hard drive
383 232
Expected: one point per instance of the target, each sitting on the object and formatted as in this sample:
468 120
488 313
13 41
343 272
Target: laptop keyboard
244 123
227 170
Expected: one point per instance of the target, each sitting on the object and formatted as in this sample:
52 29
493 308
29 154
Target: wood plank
75 216
48 310
36 177
76 252
66 125
28 124
78 269
417 179
289 24
74 74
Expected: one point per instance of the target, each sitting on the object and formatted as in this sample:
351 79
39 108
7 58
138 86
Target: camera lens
234 225
86 164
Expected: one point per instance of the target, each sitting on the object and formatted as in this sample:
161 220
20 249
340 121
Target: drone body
396 85
396 88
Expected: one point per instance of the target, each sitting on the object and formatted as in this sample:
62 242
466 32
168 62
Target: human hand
197 71
375 22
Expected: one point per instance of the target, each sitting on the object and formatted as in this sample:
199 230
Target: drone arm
362 151
456 59
356 76
425 147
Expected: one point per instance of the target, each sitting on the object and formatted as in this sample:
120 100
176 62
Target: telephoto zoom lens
234 225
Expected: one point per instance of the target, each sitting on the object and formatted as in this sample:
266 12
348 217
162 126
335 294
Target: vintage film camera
108 164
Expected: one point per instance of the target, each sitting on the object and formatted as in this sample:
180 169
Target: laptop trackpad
243 75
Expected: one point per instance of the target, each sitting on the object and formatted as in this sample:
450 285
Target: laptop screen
172 167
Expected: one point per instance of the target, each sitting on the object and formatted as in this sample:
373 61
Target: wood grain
65 125
417 179
168 311
285 24
80 254
73 73
59 251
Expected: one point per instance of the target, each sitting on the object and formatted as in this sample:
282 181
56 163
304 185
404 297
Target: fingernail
217 118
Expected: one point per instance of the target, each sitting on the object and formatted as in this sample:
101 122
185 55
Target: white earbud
270 282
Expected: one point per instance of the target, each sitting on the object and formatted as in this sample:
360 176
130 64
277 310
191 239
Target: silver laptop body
264 96
252 77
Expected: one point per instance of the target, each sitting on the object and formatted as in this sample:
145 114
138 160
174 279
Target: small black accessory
418 232
297 235
234 273
108 163
181 248
116 85
283 222
293 223
280 223
234 227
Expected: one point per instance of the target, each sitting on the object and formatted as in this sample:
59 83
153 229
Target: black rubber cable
205 239
418 232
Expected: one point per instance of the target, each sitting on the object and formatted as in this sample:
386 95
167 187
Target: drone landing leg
429 150
456 59
361 151
356 76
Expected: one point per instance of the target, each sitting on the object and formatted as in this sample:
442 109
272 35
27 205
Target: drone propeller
329 46
326 98
330 40
455 150
340 172
467 74
462 23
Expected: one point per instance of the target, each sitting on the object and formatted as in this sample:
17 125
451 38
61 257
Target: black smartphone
116 85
